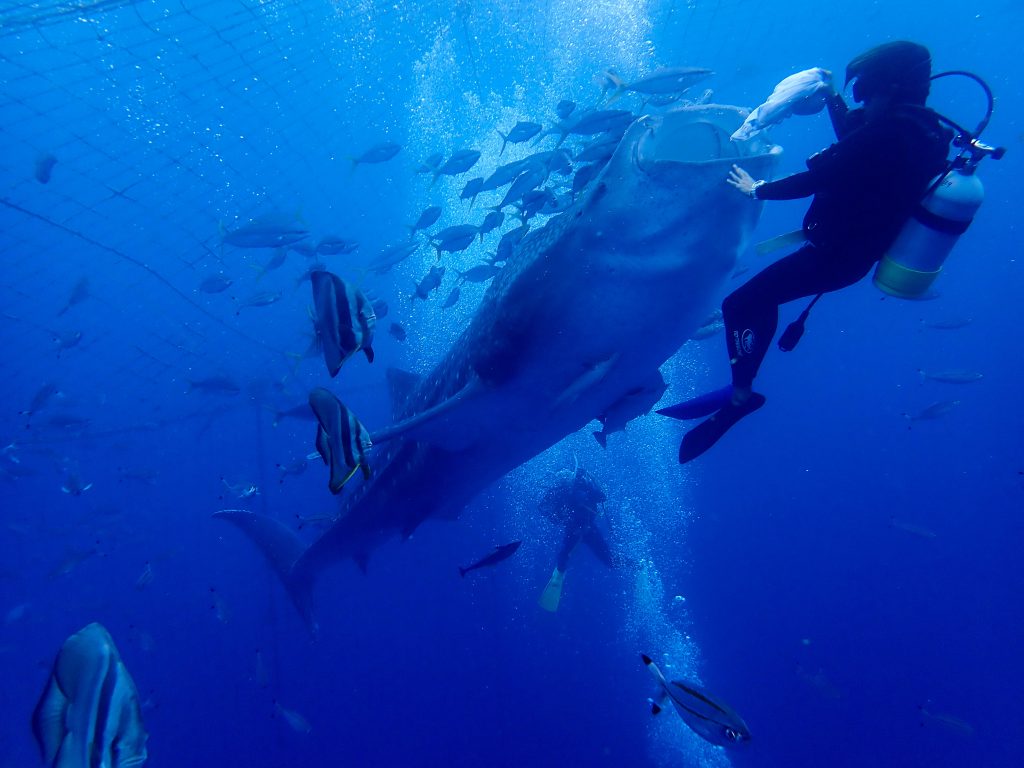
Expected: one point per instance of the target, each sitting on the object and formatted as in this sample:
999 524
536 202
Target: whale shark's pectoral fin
440 424
591 376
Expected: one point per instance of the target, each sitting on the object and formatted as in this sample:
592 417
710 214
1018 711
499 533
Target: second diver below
864 187
574 501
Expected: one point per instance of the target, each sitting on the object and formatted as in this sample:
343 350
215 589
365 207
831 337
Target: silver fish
335 246
933 411
956 376
454 239
215 284
428 218
712 720
492 221
378 153
521 131
481 273
295 721
430 282
661 81
458 163
264 299
453 297
89 712
271 231
345 320
800 94
392 255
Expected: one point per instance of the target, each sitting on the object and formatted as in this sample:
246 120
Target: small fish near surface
397 332
500 553
89 713
431 163
454 239
378 153
428 218
345 320
457 164
453 297
271 231
341 440
521 131
430 282
712 720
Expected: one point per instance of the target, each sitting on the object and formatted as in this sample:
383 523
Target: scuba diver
573 501
865 188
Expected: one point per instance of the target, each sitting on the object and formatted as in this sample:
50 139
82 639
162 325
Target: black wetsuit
864 187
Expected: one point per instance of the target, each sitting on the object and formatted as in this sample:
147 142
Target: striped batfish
89 713
711 720
341 440
344 320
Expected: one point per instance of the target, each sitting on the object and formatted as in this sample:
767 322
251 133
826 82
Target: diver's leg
751 315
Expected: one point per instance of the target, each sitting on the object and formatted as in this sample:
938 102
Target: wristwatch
754 187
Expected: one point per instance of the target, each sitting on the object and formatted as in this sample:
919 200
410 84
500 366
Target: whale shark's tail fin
552 593
282 548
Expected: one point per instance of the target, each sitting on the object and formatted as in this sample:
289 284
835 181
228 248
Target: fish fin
593 375
429 426
602 439
49 721
655 709
463 571
552 593
335 485
282 550
368 351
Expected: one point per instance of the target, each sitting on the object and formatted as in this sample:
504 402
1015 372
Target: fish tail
282 550
602 439
504 141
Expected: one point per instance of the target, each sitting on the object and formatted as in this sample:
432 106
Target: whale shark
586 310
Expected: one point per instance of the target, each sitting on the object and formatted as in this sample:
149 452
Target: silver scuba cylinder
917 254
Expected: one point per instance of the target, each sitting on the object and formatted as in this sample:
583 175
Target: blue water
847 579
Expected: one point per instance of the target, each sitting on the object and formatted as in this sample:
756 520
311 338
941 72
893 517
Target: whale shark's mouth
694 135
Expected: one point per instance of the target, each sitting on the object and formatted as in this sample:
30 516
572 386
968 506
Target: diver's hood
900 70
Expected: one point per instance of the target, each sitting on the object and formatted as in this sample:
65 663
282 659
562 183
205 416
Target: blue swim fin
700 406
707 433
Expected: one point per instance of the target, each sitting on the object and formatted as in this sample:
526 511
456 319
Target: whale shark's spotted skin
585 311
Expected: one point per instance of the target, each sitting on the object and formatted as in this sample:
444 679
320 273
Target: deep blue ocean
844 575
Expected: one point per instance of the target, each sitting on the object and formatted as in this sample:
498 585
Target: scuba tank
920 249
947 209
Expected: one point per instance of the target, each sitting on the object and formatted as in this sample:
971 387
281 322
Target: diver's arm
790 188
